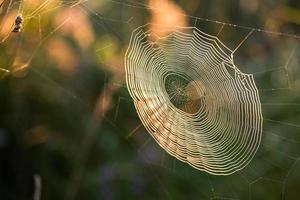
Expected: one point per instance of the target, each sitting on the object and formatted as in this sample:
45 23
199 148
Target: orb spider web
277 83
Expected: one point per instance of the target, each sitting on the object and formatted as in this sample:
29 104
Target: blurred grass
58 110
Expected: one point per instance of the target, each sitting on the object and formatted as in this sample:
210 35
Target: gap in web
275 95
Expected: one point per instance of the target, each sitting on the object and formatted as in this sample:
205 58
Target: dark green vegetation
66 115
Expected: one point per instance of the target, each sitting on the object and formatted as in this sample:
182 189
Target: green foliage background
52 126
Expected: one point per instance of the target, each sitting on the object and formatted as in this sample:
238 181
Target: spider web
193 80
274 167
258 175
